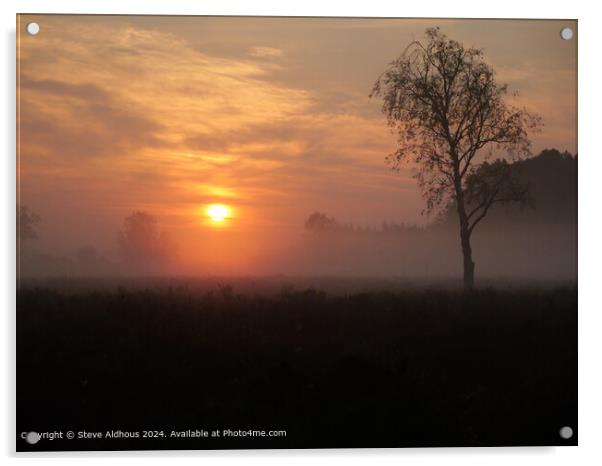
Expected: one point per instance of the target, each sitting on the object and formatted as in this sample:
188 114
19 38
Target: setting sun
218 212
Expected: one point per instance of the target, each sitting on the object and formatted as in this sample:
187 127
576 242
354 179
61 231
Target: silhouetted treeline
551 182
142 248
534 241
319 222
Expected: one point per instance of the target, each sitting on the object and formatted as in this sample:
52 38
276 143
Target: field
372 369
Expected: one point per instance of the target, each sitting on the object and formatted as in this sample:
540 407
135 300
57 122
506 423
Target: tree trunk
464 233
468 262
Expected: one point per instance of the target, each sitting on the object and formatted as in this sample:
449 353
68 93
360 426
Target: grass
417 368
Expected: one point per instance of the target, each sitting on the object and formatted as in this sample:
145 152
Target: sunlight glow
218 212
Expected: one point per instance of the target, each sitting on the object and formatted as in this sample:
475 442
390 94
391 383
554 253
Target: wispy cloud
265 52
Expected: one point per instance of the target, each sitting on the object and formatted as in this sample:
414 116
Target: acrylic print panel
261 232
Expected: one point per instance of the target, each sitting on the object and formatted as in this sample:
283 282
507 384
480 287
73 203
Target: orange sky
270 116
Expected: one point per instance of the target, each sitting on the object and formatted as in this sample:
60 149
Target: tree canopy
443 101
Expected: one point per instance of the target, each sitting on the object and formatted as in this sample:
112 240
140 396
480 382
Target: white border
590 170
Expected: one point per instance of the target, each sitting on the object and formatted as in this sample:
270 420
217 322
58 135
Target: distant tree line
141 247
319 222
551 179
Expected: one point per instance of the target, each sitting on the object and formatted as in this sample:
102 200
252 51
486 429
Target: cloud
185 116
85 92
126 86
68 120
326 137
265 52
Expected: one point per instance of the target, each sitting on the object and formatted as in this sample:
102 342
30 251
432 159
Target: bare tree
450 114
141 244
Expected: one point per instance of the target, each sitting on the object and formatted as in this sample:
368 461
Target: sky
268 116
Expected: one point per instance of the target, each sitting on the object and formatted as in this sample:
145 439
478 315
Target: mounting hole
33 28
566 432
566 33
32 438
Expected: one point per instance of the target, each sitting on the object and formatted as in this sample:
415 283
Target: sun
218 212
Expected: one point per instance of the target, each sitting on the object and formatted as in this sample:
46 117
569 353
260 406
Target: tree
27 222
450 114
141 244
321 222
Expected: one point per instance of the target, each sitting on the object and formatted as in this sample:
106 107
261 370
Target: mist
533 243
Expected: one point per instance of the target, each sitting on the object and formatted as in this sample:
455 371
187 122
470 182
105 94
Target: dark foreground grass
422 368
